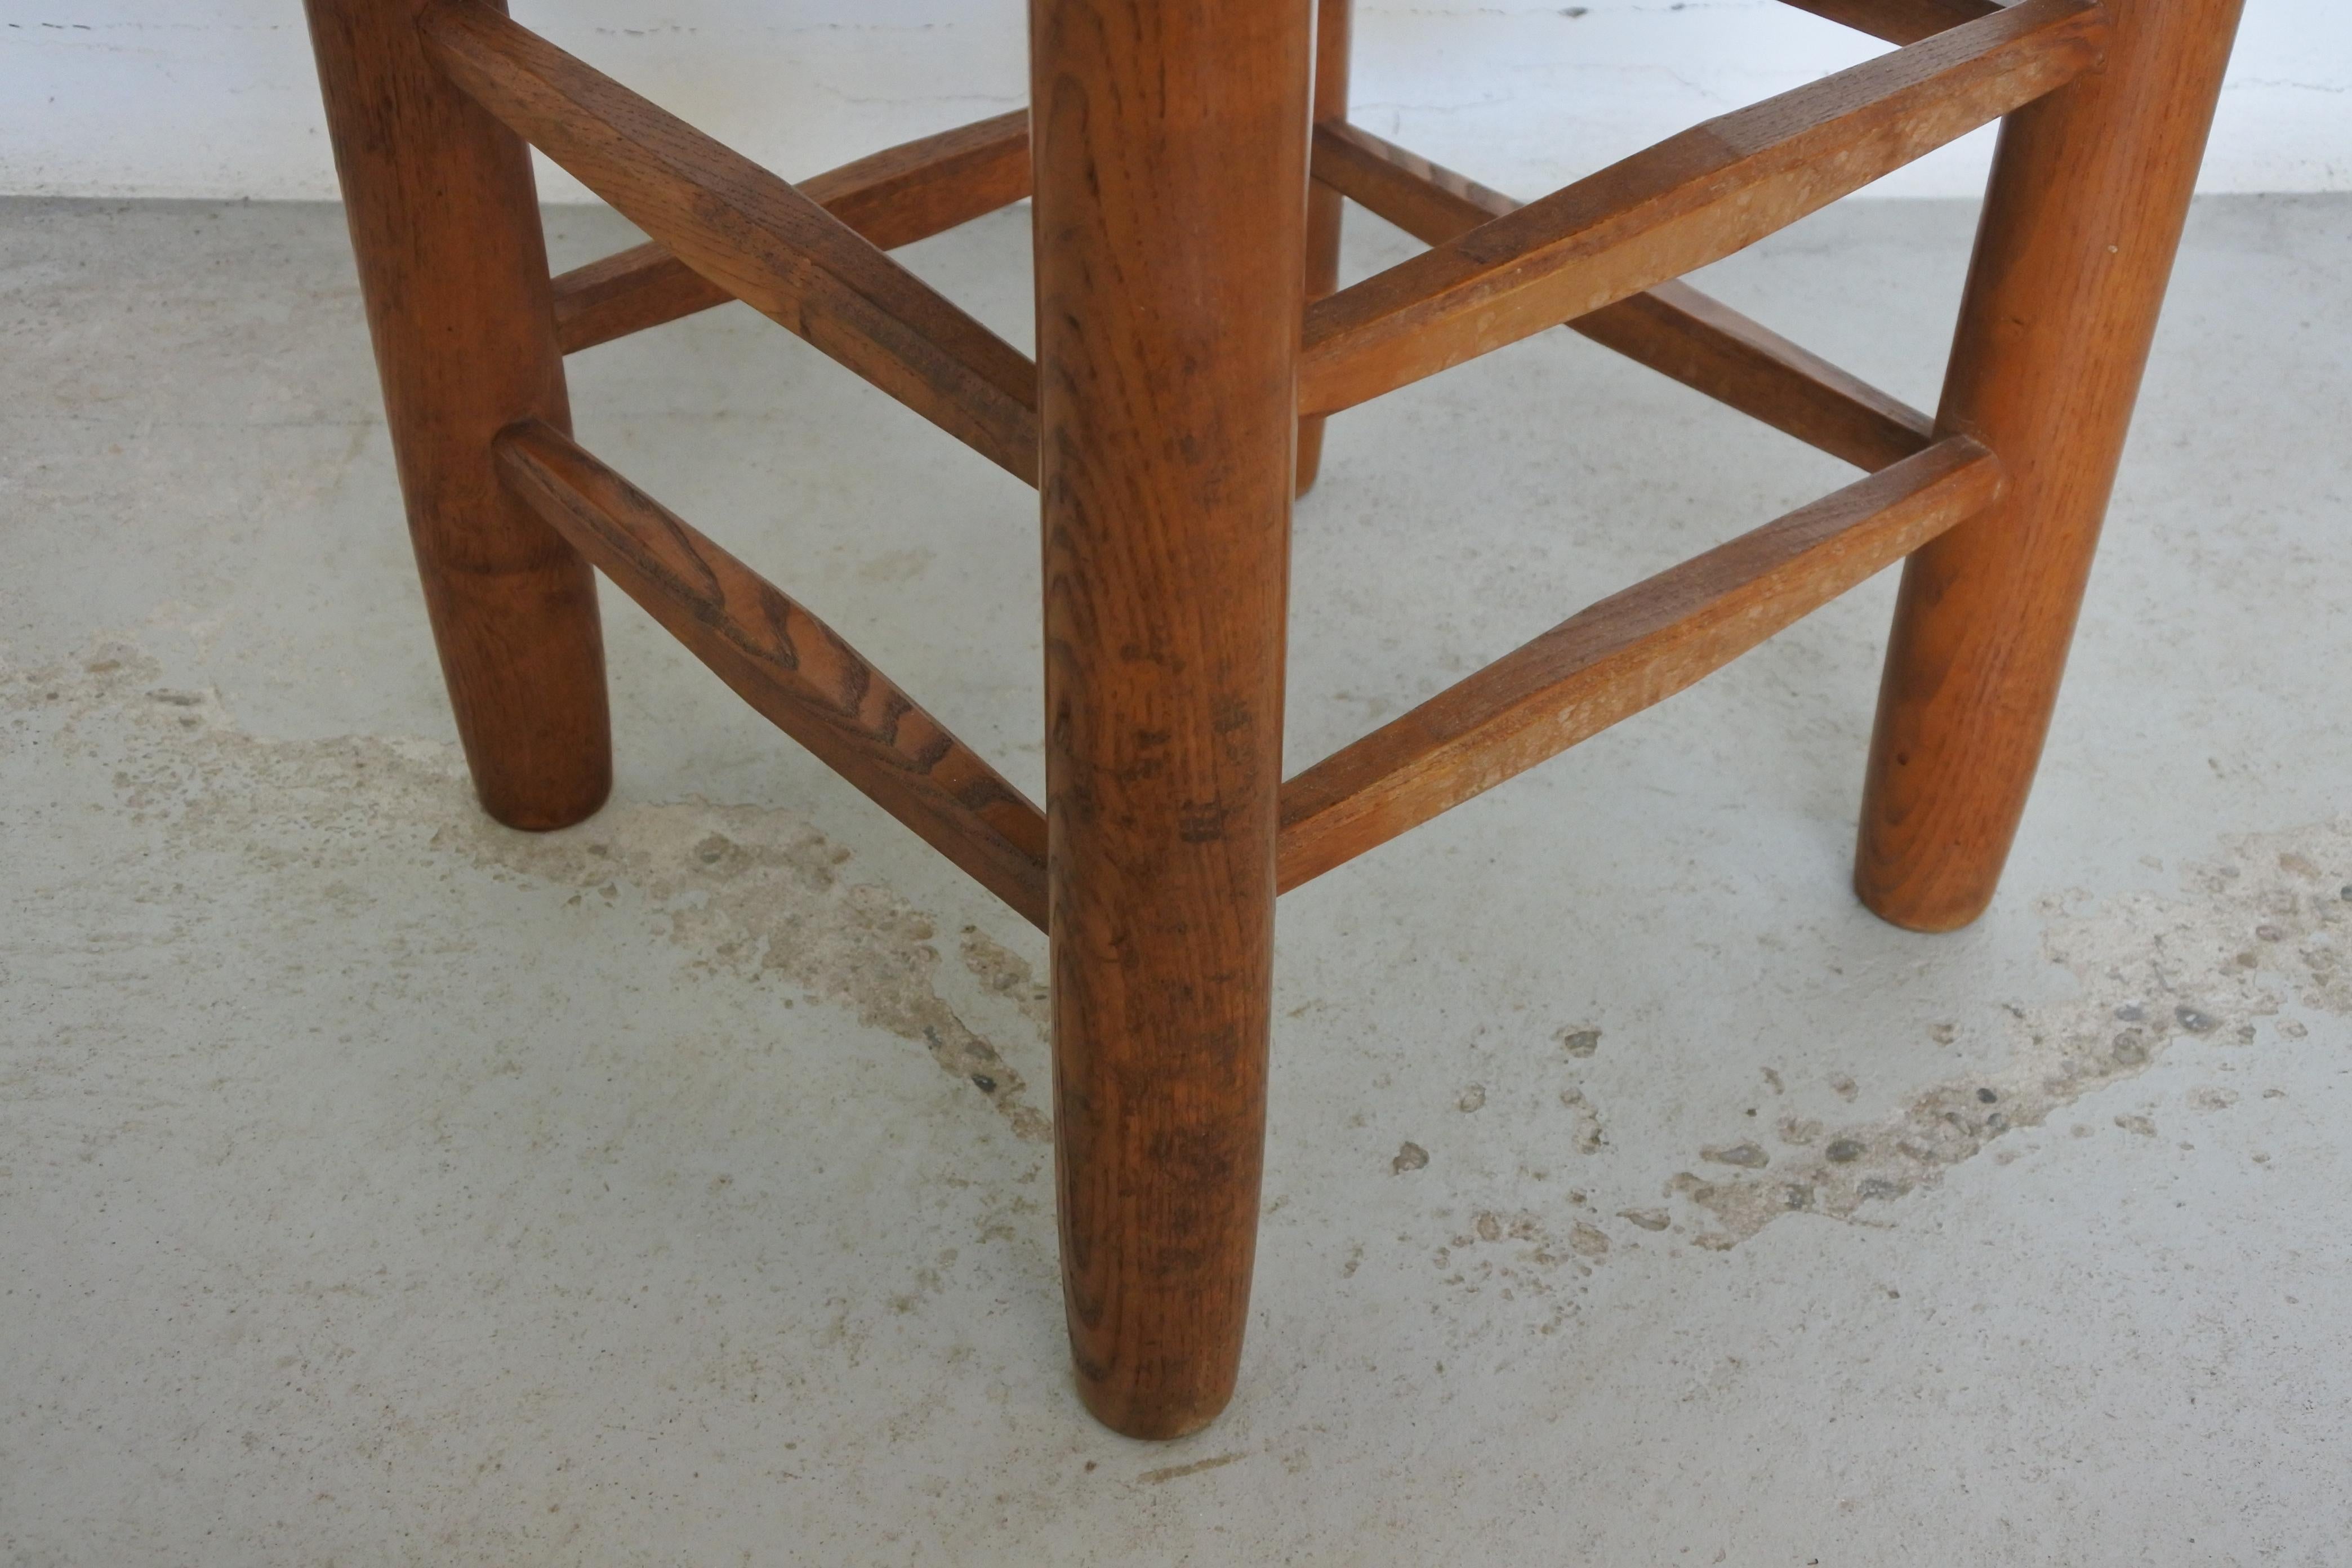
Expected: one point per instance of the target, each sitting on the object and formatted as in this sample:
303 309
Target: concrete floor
384 1186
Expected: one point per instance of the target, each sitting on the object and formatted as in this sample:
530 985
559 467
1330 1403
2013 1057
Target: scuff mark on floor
746 890
2262 924
1584 1121
1008 975
1518 1255
1177 1472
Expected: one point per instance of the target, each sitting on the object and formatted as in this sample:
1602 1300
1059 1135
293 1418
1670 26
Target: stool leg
1334 28
1170 143
445 222
2090 188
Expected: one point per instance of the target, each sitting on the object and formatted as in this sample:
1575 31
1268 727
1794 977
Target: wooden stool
1175 404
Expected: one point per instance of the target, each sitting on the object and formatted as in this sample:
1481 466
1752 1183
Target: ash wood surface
1673 328
445 226
1627 652
1428 201
2089 191
1170 149
1899 21
749 232
1334 36
1711 348
791 666
1692 199
891 198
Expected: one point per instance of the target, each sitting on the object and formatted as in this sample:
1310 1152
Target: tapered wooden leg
1334 31
1171 144
453 264
2089 191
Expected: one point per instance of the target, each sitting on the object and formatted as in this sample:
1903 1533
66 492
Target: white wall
215 98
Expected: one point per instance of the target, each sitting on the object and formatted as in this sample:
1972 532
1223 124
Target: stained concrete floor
379 1185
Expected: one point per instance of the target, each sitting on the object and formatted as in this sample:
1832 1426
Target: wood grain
791 666
891 198
1692 199
453 267
1709 347
1899 21
749 233
1673 328
2090 188
1171 206
1624 654
1334 34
